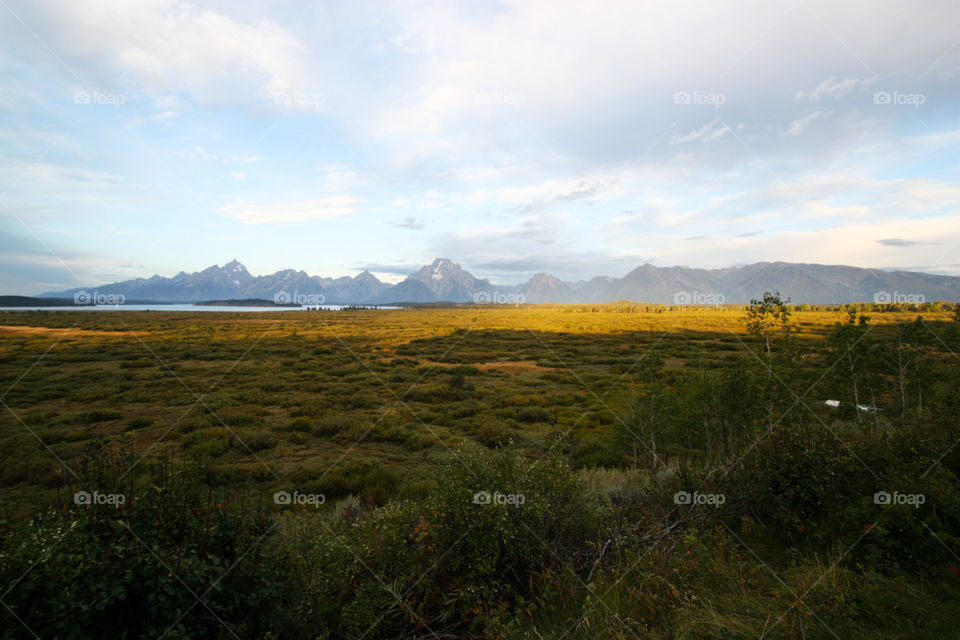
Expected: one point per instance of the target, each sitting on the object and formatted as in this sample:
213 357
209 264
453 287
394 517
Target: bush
208 443
246 441
301 424
534 414
494 434
453 559
139 423
135 571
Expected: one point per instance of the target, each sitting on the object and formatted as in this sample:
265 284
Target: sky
574 138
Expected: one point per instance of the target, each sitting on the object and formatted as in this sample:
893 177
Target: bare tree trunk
903 386
856 394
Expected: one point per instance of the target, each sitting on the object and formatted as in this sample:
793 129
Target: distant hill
27 301
445 281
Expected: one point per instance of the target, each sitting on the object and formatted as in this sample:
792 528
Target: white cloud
172 47
713 130
244 157
832 88
292 211
798 126
337 177
460 116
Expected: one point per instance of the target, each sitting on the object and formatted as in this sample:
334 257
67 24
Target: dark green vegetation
27 301
587 425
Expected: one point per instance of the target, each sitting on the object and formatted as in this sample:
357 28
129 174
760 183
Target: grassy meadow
663 472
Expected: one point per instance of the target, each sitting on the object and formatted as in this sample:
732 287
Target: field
661 472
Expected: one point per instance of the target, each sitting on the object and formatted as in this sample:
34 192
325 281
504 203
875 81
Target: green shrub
454 559
301 424
208 443
139 423
246 441
534 414
136 570
495 434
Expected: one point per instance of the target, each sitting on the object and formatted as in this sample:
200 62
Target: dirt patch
64 331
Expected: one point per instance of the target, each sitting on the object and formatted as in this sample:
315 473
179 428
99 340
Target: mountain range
445 281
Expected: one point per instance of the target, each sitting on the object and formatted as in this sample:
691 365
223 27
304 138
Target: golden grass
70 331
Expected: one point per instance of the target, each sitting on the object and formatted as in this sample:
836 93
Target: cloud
292 211
532 197
798 126
713 130
58 190
179 48
394 269
338 177
832 88
899 242
408 223
473 117
162 116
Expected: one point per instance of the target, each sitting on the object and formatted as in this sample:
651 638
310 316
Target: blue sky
514 138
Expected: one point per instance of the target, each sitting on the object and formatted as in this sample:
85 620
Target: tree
652 410
764 316
854 353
